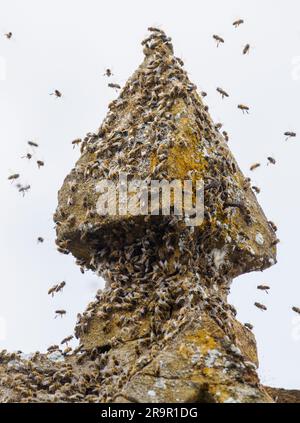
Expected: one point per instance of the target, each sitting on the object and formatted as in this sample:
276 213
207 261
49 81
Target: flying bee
254 166
108 73
60 313
13 177
52 290
296 310
76 142
246 49
264 288
40 163
218 39
271 160
67 339
32 144
60 286
27 156
243 108
112 85
256 189
260 306
222 92
8 35
57 93
249 326
40 240
203 93
238 22
290 134
23 189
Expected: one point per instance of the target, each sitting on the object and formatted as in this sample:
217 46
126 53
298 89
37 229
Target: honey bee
260 306
222 92
67 339
273 226
60 286
108 73
67 350
249 326
296 310
23 189
53 348
60 313
116 86
218 39
76 142
32 144
203 93
254 166
225 135
57 93
271 160
52 290
246 49
218 126
8 35
263 288
40 240
256 189
40 163
27 156
154 29
13 177
238 22
243 108
289 134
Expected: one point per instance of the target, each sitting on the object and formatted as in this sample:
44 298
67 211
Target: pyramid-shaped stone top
159 128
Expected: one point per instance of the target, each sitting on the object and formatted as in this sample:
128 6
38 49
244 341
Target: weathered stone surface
284 395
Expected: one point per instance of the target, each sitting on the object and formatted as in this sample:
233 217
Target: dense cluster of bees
165 274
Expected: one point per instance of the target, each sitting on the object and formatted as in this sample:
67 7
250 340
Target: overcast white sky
67 45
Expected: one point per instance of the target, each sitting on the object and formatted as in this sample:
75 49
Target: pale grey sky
67 45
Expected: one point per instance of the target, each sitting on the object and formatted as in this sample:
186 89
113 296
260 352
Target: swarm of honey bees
164 274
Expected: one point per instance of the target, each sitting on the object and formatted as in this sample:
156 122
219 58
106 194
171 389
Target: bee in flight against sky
218 39
271 160
108 73
296 310
13 177
254 166
260 306
40 163
222 92
40 240
264 288
116 86
32 144
76 142
290 134
60 313
238 22
8 35
27 156
243 108
57 93
246 49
